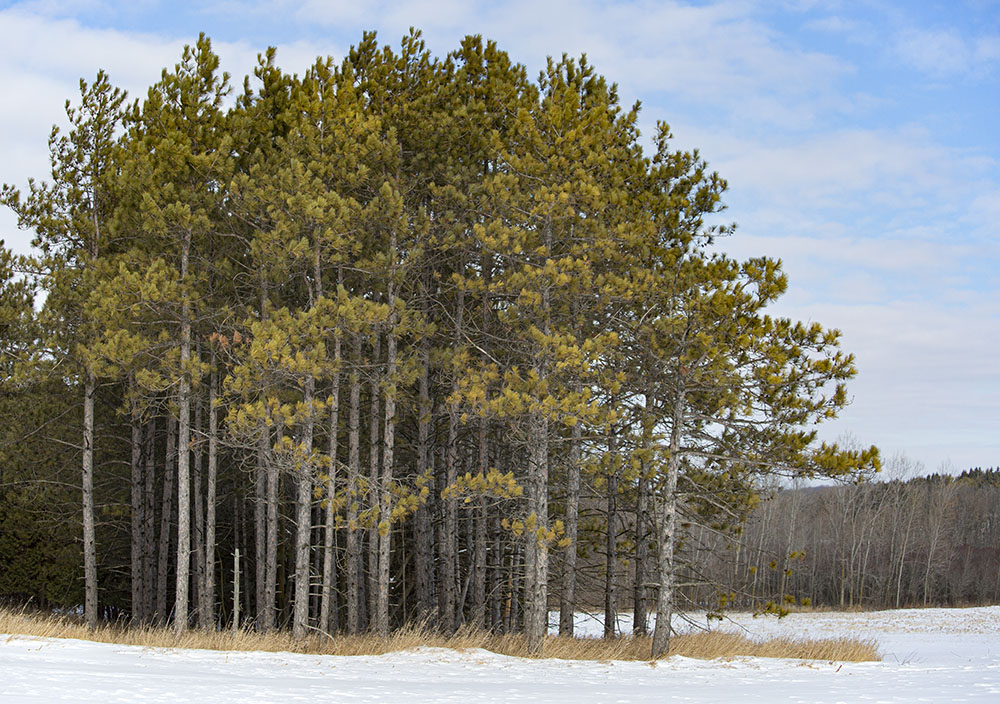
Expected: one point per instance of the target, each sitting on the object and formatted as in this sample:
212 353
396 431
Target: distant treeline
931 540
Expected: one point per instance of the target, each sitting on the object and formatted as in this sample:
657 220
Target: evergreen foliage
412 333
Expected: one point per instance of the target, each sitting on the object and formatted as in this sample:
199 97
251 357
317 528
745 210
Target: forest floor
938 655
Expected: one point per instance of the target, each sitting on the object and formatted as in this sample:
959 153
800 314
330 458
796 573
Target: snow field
930 655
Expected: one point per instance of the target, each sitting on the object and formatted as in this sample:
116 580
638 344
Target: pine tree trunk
479 536
264 619
374 470
136 505
303 518
567 602
481 552
353 493
536 555
328 605
640 621
184 457
611 546
198 537
423 558
167 508
271 549
384 531
208 588
264 527
89 540
450 536
149 526
495 573
665 510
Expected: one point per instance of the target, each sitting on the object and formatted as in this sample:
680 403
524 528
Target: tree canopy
418 328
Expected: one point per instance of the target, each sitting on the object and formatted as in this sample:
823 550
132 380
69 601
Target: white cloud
925 378
900 179
943 53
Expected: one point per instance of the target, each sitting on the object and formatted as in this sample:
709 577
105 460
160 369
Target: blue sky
859 140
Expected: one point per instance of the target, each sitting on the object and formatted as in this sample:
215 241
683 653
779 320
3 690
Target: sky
859 141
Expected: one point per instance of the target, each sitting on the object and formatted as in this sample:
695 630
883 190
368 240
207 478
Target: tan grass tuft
707 645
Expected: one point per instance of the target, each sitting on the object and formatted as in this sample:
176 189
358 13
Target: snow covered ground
930 655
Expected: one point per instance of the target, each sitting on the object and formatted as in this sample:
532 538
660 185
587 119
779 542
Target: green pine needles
422 337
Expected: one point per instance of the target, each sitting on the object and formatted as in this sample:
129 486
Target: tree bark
536 544
449 540
264 607
89 539
384 531
423 558
374 470
167 508
184 455
149 526
271 549
567 601
136 504
208 588
328 605
303 517
611 546
198 538
353 492
640 620
479 536
665 508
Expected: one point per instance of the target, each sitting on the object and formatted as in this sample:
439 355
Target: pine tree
70 218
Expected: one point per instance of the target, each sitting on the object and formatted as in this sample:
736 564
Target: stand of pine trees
419 336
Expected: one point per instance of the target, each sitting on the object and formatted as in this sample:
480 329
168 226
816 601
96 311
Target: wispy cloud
944 53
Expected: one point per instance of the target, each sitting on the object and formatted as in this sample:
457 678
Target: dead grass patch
706 645
716 644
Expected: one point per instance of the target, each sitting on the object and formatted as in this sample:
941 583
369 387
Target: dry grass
716 644
706 645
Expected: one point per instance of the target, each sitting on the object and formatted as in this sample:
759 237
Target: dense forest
928 540
398 339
